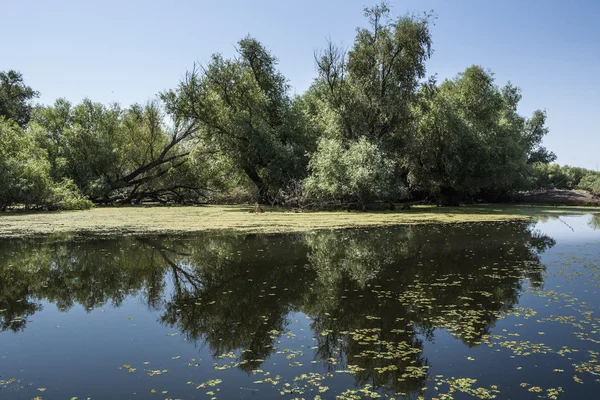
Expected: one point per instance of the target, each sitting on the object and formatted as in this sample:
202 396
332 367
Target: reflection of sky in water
569 228
296 285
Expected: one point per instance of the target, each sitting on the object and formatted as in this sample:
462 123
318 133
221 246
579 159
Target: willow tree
24 168
244 108
15 97
471 141
367 90
364 94
443 154
116 154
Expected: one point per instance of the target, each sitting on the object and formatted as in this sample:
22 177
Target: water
456 311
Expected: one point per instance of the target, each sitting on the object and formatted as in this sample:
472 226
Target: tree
15 97
535 130
591 183
444 153
470 140
369 127
243 107
24 169
554 176
153 153
114 154
360 173
361 104
25 178
510 141
368 90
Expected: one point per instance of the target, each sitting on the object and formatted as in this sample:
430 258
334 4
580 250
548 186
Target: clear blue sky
127 51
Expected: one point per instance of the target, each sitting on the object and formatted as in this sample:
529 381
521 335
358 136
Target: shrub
554 176
24 168
358 172
591 183
67 196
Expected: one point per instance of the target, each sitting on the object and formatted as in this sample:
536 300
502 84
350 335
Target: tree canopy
372 127
243 107
15 97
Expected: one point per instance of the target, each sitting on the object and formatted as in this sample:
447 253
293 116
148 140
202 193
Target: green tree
555 176
118 155
244 108
497 127
591 183
15 97
368 90
470 141
82 142
154 155
24 168
359 173
535 130
444 153
361 104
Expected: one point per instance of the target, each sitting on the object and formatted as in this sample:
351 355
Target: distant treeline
554 176
372 127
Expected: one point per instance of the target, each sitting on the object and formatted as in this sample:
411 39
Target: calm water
506 310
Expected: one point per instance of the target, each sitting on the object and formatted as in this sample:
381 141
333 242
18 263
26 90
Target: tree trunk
449 197
263 190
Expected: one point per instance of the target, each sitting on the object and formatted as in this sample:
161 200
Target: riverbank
560 198
178 220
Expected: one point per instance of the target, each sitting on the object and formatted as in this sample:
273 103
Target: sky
128 50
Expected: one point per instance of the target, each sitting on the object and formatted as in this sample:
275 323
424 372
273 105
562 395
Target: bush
25 175
359 172
24 168
591 183
554 176
66 196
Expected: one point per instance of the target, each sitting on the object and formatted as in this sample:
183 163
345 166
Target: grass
157 220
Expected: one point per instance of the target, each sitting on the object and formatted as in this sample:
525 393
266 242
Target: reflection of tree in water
239 291
89 273
15 303
374 295
459 277
358 325
595 222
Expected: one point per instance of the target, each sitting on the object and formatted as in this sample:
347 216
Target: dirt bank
561 198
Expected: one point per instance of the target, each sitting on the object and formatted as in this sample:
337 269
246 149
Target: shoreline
155 220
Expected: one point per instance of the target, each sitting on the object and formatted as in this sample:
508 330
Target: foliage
81 142
25 175
444 153
367 91
360 104
359 173
65 195
470 141
113 154
369 128
591 183
245 111
555 176
15 97
24 169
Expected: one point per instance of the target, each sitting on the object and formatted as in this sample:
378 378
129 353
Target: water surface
504 310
